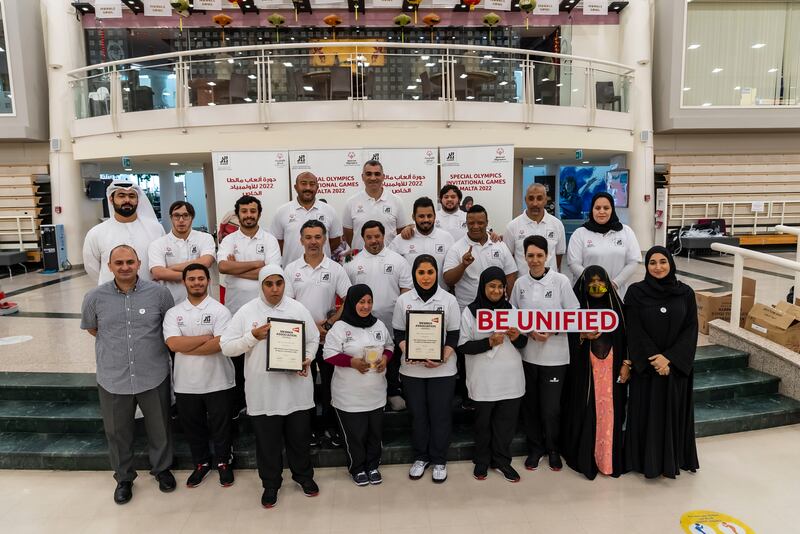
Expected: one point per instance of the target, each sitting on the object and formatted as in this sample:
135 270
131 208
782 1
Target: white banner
497 5
107 9
385 4
595 7
264 175
208 4
157 8
486 173
445 3
270 4
546 7
410 172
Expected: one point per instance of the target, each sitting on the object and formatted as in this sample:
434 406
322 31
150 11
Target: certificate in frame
424 335
286 344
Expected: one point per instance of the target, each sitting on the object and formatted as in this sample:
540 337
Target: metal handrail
627 69
795 230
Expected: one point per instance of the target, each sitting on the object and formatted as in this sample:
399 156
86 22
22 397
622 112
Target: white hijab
144 210
265 272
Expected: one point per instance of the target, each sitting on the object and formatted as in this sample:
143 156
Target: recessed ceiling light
773 69
759 45
585 162
503 83
212 103
212 84
707 104
288 64
717 70
737 88
252 76
174 163
540 158
687 89
470 97
411 87
693 46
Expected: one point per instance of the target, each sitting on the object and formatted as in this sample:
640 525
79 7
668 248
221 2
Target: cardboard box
780 323
712 306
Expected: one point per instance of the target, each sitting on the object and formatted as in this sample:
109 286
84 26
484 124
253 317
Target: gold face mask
598 289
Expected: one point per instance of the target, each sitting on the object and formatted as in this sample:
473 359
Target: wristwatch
327 326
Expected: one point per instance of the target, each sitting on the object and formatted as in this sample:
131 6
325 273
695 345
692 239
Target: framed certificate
424 335
286 344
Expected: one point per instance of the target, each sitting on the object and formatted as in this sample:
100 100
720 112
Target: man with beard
426 239
170 254
451 218
536 221
388 275
203 376
125 316
305 207
374 203
241 256
133 223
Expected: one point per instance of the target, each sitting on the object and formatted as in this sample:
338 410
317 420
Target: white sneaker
439 473
397 403
417 470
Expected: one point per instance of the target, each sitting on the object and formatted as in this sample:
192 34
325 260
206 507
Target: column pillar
64 47
636 46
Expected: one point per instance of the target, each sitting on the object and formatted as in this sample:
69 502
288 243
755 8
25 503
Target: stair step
717 357
742 414
48 386
733 383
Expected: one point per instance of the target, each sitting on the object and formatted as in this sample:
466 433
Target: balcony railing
357 72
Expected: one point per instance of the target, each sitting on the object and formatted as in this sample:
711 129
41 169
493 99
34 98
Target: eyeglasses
179 216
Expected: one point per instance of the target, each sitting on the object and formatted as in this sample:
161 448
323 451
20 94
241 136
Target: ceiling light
288 64
538 99
773 69
430 64
174 163
230 61
585 162
212 103
129 170
463 76
252 76
687 89
717 70
575 90
540 158
415 97
212 84
503 83
693 46
248 99
758 45
470 97
707 104
737 88
559 85
308 88
487 56
545 79
424 58
411 87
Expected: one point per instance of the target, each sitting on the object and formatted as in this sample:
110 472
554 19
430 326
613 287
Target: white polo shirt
352 391
454 223
169 250
552 292
488 255
437 243
523 226
273 392
616 252
316 288
386 273
440 301
101 239
493 375
199 374
291 216
388 210
262 246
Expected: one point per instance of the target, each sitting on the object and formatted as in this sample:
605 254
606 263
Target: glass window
6 98
741 54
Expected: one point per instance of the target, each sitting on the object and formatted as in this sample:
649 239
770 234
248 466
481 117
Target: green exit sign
126 163
579 154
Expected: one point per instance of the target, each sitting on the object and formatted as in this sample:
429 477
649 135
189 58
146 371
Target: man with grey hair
125 315
536 221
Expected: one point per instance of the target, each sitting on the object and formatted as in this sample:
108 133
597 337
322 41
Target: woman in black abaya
596 389
662 338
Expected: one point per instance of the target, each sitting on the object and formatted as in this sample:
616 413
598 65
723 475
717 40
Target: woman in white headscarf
278 402
133 222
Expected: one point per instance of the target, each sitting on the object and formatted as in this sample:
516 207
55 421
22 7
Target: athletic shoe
417 470
361 479
309 487
439 473
555 461
314 442
375 477
508 472
397 403
532 462
334 438
225 475
269 498
480 471
197 476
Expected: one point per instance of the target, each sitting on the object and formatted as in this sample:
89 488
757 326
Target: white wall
24 153
600 41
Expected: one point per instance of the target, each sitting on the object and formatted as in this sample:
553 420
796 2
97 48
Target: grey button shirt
130 350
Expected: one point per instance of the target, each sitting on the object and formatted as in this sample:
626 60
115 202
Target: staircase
52 421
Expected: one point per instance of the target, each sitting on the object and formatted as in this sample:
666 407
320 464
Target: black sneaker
555 461
532 462
480 471
375 477
309 487
361 479
197 476
314 442
123 492
269 498
166 481
225 475
508 472
334 438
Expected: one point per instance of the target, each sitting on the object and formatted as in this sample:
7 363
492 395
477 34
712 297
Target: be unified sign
547 320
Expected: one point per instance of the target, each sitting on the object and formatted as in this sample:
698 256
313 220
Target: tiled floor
754 477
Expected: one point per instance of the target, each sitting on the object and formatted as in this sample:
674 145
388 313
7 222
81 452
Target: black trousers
119 424
393 385
272 432
495 425
204 417
461 377
363 433
239 401
322 394
430 401
541 407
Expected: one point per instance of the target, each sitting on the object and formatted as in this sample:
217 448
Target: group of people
605 402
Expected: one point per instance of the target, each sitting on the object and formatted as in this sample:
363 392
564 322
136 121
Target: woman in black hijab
429 385
495 379
596 389
662 338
